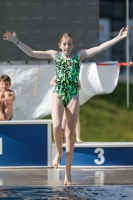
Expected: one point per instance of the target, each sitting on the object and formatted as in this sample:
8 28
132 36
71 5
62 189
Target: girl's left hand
123 32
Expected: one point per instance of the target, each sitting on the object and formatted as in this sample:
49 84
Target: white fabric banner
31 84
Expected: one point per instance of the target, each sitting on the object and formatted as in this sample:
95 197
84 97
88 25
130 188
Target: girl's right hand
10 37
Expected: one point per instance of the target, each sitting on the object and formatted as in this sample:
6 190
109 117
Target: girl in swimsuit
64 127
65 94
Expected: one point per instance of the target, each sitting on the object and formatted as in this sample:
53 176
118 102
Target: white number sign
101 157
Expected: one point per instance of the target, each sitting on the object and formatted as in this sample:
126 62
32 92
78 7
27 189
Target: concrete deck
51 177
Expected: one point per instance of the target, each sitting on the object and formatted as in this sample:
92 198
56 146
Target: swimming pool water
111 192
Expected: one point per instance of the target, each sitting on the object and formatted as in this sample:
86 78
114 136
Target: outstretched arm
37 54
87 53
53 81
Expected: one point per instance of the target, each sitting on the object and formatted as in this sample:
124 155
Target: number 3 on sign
101 157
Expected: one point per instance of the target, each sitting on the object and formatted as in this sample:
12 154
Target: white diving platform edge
28 144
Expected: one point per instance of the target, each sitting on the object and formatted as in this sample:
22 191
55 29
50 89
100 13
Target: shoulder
53 53
82 54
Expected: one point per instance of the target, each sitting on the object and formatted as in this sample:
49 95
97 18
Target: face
4 85
66 45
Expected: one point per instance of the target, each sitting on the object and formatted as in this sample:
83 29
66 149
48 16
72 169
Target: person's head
66 43
5 83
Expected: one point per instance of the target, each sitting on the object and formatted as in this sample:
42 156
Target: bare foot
67 180
79 140
2 119
1 116
56 160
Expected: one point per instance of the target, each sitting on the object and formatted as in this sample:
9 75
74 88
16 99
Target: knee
7 93
70 133
57 129
71 128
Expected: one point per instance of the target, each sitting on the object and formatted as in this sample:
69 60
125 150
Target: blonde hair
66 35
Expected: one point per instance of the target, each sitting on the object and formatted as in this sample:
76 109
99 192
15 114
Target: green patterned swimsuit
67 75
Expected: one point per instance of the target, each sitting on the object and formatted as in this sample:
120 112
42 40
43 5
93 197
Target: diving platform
28 144
99 155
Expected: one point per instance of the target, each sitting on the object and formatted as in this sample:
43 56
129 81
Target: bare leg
64 127
1 108
8 110
72 111
57 114
1 112
78 139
